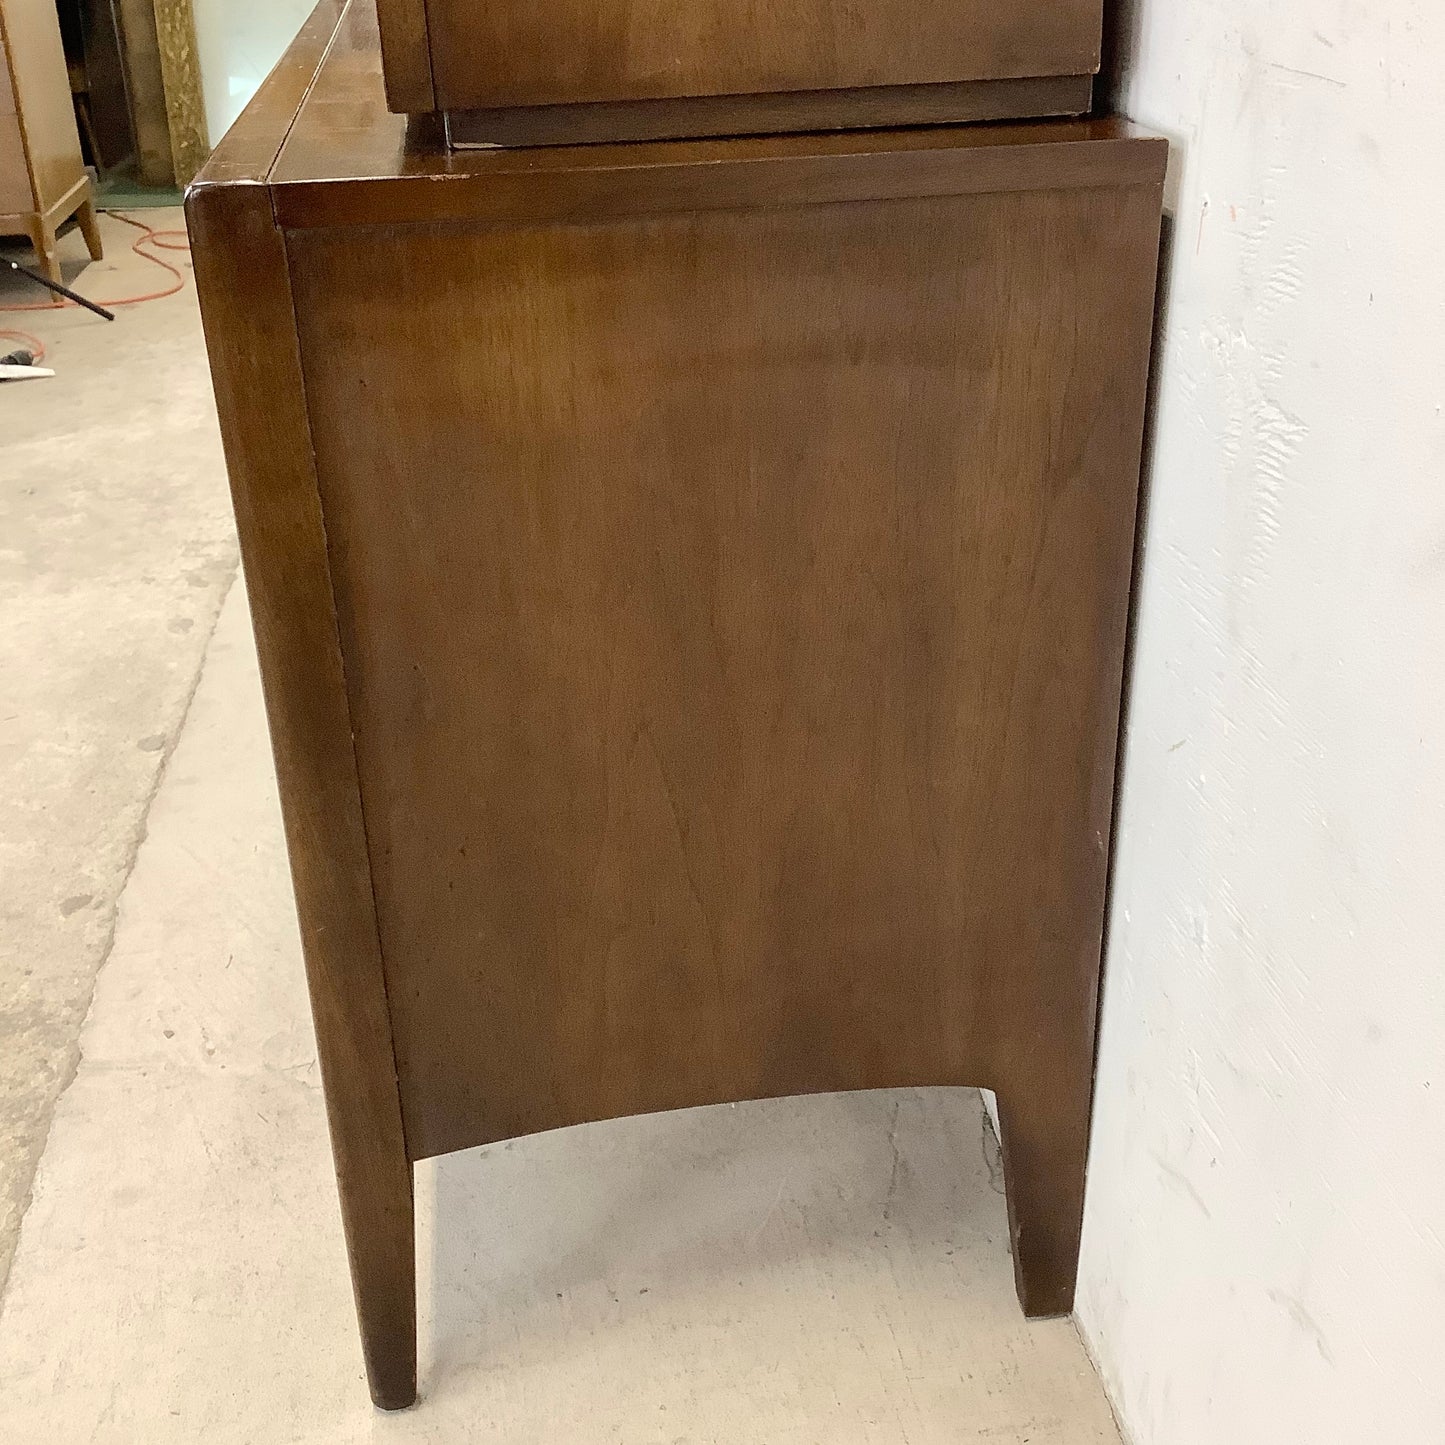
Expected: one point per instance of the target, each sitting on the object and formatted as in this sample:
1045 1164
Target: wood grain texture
691 583
377 182
747 727
246 305
406 48
521 52
783 111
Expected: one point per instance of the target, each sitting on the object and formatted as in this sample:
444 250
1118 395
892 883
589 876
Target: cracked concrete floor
116 547
832 1269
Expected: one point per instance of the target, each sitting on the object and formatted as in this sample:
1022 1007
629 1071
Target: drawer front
525 52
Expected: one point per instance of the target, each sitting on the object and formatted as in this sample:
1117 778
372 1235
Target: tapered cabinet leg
90 229
378 1214
50 255
245 291
42 238
1045 1150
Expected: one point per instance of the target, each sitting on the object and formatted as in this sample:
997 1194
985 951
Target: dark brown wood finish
553 52
246 306
407 42
692 595
591 183
348 163
767 756
781 112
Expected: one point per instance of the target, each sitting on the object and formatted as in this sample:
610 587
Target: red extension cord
172 240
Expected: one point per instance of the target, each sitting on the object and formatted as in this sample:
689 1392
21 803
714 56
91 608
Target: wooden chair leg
90 229
378 1215
1045 1124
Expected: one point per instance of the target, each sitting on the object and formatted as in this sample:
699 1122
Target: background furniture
690 581
43 181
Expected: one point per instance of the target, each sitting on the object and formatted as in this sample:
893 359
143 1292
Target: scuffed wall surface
1263 1252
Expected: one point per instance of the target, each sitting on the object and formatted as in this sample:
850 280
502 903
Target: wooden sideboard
43 180
690 581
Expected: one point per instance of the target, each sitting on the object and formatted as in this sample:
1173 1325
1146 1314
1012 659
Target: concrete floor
824 1270
116 547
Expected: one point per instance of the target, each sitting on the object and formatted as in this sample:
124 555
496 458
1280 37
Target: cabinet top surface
318 133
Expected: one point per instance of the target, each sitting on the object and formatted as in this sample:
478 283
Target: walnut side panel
734 609
240 266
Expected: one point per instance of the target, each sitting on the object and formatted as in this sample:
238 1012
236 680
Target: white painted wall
239 41
1263 1256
